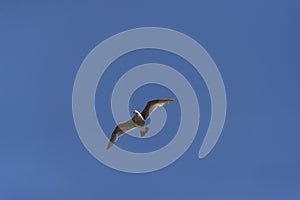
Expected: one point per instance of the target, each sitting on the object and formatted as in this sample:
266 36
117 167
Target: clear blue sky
256 46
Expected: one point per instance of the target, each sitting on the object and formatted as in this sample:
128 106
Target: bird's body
137 121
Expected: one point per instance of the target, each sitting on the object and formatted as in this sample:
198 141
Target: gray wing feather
119 130
152 105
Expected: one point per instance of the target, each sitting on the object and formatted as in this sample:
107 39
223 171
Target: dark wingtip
109 145
170 100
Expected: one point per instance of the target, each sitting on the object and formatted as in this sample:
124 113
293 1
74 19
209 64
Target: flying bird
137 121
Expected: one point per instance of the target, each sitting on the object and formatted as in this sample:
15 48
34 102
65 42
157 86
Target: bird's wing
119 130
152 105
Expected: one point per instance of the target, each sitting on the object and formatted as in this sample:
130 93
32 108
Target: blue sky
255 45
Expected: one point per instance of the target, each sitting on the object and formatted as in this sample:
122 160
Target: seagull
137 121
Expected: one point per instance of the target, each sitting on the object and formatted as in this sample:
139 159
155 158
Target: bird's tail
144 130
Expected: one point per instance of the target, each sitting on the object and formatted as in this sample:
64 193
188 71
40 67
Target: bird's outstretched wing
119 130
152 105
